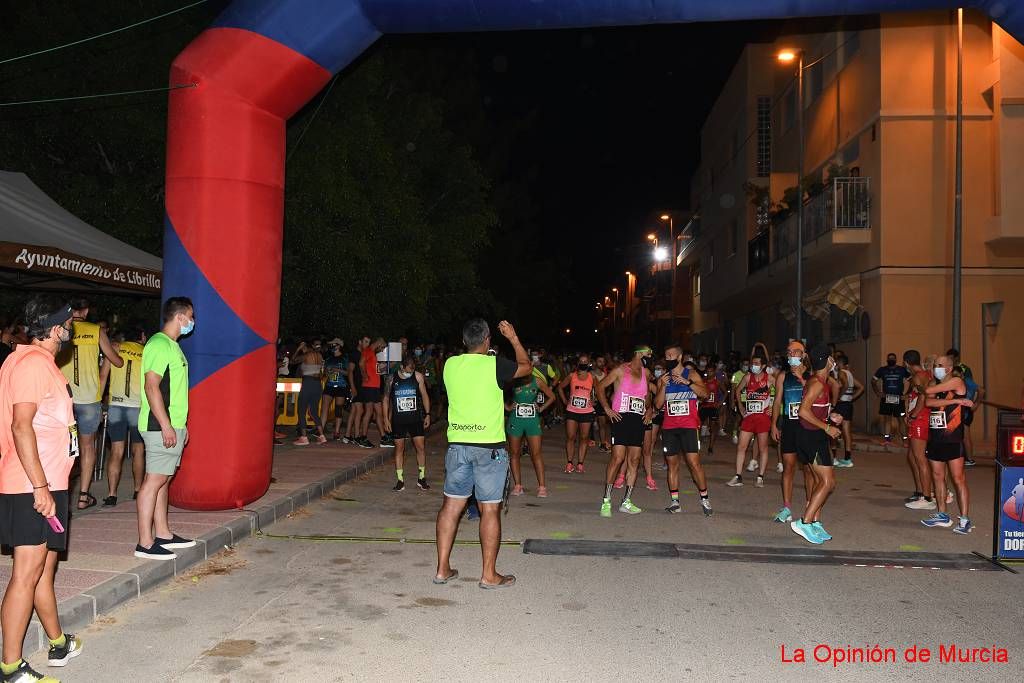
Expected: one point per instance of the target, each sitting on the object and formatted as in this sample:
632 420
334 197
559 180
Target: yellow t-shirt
80 362
126 381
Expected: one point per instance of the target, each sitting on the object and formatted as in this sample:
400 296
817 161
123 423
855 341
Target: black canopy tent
43 246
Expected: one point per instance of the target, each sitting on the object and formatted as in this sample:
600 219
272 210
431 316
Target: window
695 278
764 136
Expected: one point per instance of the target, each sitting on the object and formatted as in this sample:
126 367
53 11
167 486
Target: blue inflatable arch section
259 63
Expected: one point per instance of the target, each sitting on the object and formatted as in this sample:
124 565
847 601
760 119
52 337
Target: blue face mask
187 329
793 362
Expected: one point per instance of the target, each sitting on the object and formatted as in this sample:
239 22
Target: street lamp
788 56
660 254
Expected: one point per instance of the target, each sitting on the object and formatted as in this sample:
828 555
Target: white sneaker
735 439
703 430
759 483
950 496
779 468
921 504
721 432
735 481
752 467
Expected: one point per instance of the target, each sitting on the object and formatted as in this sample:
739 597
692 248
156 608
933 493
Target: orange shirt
371 380
30 375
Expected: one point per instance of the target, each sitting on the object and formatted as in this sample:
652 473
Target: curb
875 447
82 610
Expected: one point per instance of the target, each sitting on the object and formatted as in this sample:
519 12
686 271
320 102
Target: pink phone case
55 524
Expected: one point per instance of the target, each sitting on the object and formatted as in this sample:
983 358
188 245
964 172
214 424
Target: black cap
819 356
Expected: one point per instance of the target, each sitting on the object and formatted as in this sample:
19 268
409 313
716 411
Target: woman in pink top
579 412
38 445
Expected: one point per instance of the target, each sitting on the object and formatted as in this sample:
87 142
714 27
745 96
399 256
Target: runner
755 410
789 388
601 366
946 399
890 384
336 390
311 363
369 392
817 427
678 395
632 411
38 445
579 412
917 428
476 457
740 371
355 381
710 406
652 428
123 415
407 416
80 363
525 422
850 390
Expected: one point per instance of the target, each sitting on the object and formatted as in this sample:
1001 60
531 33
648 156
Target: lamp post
787 57
672 295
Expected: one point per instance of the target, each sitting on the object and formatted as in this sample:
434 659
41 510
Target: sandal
90 500
110 501
507 581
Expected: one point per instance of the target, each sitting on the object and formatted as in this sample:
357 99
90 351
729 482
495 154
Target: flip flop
507 581
453 575
89 498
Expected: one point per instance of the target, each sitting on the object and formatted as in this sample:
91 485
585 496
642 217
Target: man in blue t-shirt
890 384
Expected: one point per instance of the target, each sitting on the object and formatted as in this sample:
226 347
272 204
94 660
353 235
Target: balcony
844 206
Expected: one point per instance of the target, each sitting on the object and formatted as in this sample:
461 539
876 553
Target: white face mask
658 372
404 375
940 372
756 369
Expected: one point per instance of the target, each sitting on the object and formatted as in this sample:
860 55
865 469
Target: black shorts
599 409
787 434
940 451
368 395
20 524
582 418
967 415
337 392
813 447
890 409
708 414
845 408
676 441
407 429
629 431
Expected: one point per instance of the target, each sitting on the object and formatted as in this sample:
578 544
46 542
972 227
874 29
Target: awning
44 246
816 303
845 294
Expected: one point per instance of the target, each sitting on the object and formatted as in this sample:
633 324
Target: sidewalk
101 572
873 444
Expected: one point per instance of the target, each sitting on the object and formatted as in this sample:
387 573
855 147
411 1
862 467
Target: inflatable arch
257 65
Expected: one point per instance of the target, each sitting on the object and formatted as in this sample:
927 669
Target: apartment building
879 163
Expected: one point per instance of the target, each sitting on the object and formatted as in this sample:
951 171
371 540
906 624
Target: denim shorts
88 415
121 421
482 468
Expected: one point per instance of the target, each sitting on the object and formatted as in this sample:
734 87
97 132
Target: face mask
891 363
336 350
535 359
64 336
188 327
658 372
670 365
405 375
702 364
417 352
645 361
583 366
940 373
756 369
794 362
745 367
688 359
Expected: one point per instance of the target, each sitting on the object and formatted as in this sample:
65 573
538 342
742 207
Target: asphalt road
278 609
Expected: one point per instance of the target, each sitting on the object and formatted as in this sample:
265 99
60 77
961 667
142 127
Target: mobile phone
55 524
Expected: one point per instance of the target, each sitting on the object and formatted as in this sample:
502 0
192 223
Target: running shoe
778 467
916 495
321 439
517 490
26 674
705 504
387 441
60 655
579 468
279 435
964 527
399 486
606 448
737 480
785 515
950 496
921 503
651 484
938 519
301 441
843 462
759 483
347 439
752 466
591 443
820 530
542 491
704 430
620 481
606 508
336 436
569 469
806 531
628 507
969 463
366 443
735 439
673 508
721 432
422 483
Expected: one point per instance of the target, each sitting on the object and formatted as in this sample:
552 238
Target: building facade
878 192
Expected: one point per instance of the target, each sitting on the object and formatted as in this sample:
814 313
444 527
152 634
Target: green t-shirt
163 356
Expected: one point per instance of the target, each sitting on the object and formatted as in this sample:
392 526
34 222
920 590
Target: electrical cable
98 95
100 35
309 123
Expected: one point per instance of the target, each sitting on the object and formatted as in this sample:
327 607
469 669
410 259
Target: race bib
526 410
580 402
755 406
937 419
679 408
407 404
541 398
793 410
73 442
892 399
637 405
